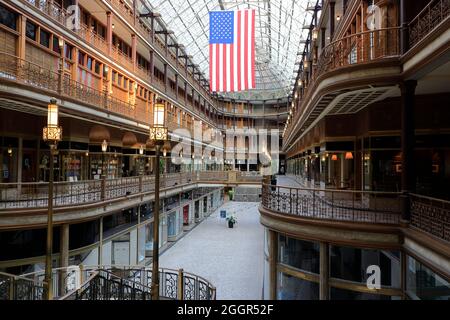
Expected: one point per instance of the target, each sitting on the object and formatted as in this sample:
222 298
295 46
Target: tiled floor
231 259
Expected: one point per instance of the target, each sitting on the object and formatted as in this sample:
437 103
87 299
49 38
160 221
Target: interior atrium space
232 150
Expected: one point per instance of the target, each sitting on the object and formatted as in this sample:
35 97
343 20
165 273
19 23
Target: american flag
232 50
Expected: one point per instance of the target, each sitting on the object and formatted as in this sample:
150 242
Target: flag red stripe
253 50
246 51
239 51
232 68
210 69
224 66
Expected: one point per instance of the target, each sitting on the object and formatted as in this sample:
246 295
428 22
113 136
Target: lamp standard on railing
158 135
51 134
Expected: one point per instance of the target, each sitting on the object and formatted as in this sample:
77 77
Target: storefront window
299 254
424 284
172 224
352 264
292 288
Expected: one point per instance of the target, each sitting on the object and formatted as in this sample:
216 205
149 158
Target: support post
273 257
324 271
408 140
49 249
155 260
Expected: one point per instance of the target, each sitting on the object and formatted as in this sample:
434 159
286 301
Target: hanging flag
232 50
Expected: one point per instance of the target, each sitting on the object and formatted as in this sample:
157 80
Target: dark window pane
292 288
45 38
352 264
56 45
424 284
8 18
97 67
299 254
81 58
31 30
68 51
89 63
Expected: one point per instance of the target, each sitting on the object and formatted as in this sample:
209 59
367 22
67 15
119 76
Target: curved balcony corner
106 283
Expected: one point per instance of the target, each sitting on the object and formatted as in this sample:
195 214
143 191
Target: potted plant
231 221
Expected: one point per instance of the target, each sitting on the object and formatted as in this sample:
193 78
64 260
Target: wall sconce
338 18
348 156
334 157
10 151
141 150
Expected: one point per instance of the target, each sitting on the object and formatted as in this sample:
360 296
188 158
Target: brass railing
338 205
119 283
427 20
431 216
356 49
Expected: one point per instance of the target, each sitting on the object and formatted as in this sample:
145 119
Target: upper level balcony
74 200
356 210
360 66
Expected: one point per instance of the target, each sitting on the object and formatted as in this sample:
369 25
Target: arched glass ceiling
281 25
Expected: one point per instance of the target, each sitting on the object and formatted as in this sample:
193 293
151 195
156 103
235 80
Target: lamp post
51 134
104 149
158 135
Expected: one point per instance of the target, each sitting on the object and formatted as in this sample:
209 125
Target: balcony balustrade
19 196
106 283
336 205
431 216
356 49
60 15
427 20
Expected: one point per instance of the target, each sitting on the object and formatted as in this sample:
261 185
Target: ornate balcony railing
20 288
337 205
112 283
19 196
356 49
60 15
431 216
427 20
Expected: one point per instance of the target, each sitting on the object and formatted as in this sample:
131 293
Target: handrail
33 195
334 205
431 216
68 282
433 14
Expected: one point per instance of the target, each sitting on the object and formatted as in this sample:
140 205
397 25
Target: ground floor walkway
232 259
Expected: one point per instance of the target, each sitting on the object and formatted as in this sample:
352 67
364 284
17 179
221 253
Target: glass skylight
281 25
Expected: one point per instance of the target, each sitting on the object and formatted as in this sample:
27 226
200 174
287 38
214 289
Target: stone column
408 140
324 289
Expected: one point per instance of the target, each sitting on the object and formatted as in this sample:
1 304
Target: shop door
186 215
